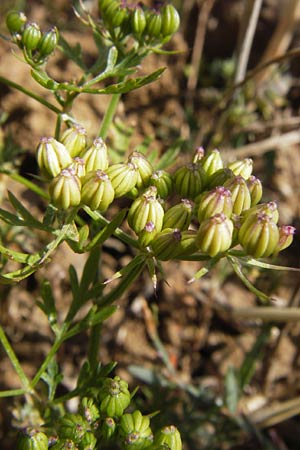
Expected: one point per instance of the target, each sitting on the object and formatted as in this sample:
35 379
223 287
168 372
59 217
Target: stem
109 115
94 345
33 187
58 126
14 360
30 94
47 360
12 393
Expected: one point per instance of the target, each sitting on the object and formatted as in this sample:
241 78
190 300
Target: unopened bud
147 234
163 182
169 436
286 236
108 428
65 189
97 191
135 431
255 189
211 163
190 180
240 194
270 209
215 202
31 440
95 157
170 20
215 235
52 157
138 21
73 427
219 177
144 209
15 21
153 24
123 177
114 397
259 235
74 138
48 42
165 245
31 36
179 216
144 169
78 166
243 168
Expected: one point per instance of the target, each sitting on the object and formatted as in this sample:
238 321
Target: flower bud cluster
216 207
36 45
146 25
102 421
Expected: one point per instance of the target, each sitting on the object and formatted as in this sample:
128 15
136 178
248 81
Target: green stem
12 393
109 115
94 344
58 126
29 184
29 94
14 360
47 360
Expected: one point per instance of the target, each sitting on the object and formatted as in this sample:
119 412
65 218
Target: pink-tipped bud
215 235
215 202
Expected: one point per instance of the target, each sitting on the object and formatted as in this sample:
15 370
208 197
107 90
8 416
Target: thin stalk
14 360
29 184
30 94
12 393
58 126
109 115
47 360
94 344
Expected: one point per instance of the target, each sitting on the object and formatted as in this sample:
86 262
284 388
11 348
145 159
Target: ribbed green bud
135 431
88 441
240 194
52 157
259 235
108 428
211 163
73 427
187 244
163 182
78 166
215 235
153 24
170 20
97 191
74 138
89 410
95 157
219 177
169 436
114 14
166 243
65 444
65 189
144 168
179 216
190 180
15 21
123 177
138 21
255 189
32 440
144 209
243 168
48 42
114 397
147 234
104 4
31 36
270 209
286 235
215 202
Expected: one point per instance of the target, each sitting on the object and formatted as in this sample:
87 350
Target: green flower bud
65 444
15 21
219 177
52 157
270 209
104 4
97 191
138 21
215 235
163 182
187 244
144 209
190 180
144 169
114 397
74 138
198 155
255 189
73 427
240 194
31 36
166 243
211 163
88 441
48 42
78 166
89 410
215 202
123 177
153 24
179 216
32 440
169 436
108 428
170 20
65 189
114 14
135 431
259 235
286 235
95 157
147 234
243 168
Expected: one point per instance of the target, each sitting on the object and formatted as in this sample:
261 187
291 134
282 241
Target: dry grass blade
274 414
